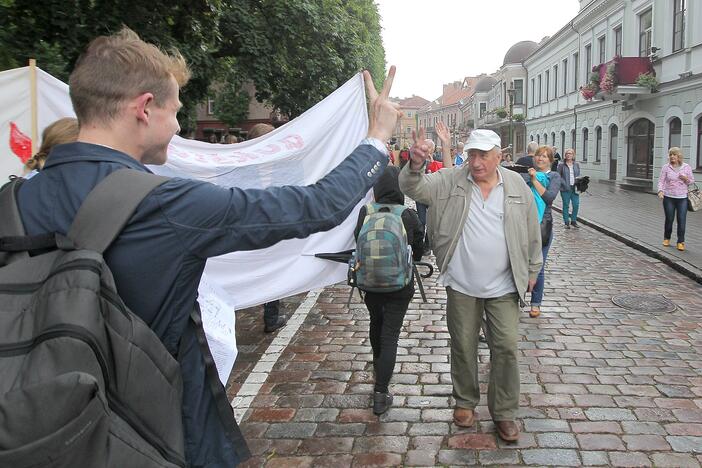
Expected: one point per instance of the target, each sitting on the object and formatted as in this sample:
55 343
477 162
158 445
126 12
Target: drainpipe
575 106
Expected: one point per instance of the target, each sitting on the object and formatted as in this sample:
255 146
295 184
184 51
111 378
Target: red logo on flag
20 144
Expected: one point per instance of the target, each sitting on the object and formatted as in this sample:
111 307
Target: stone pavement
601 386
637 218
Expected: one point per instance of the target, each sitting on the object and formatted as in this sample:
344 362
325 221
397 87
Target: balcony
619 79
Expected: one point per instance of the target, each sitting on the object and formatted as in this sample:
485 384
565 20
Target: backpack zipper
27 288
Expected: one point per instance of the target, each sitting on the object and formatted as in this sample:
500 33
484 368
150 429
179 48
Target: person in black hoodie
387 310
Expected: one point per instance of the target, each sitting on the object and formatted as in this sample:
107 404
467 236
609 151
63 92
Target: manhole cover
645 302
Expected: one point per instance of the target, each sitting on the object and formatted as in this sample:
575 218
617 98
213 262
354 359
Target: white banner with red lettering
298 153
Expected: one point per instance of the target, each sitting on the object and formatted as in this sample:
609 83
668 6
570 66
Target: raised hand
383 114
419 151
443 133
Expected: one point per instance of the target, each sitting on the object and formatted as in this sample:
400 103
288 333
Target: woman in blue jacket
569 170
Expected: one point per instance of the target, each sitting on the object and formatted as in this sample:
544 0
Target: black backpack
85 382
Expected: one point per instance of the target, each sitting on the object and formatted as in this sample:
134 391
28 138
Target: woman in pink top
672 189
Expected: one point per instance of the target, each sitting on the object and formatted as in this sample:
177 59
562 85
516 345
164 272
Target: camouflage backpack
383 259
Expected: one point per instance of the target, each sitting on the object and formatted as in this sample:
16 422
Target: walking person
387 309
489 257
545 185
672 189
569 170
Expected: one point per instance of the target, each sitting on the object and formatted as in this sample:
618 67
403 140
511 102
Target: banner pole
33 103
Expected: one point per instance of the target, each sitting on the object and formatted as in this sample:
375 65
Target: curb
675 263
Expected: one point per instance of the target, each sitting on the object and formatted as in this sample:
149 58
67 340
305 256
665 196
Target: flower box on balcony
627 69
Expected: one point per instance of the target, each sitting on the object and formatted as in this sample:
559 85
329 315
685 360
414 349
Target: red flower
20 144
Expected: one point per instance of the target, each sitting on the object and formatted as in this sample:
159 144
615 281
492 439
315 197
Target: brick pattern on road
601 386
639 217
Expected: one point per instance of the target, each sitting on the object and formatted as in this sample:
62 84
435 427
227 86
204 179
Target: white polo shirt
480 265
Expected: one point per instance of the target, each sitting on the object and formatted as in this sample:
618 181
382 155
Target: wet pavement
600 385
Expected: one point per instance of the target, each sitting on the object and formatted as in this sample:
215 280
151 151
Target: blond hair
62 131
114 69
259 129
677 152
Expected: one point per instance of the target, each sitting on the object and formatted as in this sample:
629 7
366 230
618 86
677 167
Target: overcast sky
438 41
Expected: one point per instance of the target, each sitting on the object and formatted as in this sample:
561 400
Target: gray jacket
448 194
564 171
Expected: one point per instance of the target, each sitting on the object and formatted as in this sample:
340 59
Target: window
563 147
585 142
539 90
538 139
645 32
699 143
618 41
588 61
533 94
598 144
576 70
531 138
518 91
210 106
678 24
545 138
573 141
548 84
674 138
409 113
483 109
601 48
555 81
565 76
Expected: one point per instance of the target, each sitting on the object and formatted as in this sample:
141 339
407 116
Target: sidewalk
600 385
637 219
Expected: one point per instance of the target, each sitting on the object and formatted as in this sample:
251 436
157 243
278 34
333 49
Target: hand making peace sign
383 113
419 152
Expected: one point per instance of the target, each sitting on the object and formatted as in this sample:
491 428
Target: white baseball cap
482 139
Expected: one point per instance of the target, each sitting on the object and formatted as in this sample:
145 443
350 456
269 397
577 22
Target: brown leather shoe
507 430
463 417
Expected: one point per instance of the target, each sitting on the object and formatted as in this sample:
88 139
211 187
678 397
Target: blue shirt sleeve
211 220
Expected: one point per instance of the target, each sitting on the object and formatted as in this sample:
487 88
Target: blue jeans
670 206
537 294
569 197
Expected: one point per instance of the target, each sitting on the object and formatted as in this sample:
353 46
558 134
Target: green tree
231 104
295 52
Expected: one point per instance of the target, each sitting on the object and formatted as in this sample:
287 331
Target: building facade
624 132
447 108
209 128
409 121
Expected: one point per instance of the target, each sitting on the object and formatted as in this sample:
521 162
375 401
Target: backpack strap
11 227
108 207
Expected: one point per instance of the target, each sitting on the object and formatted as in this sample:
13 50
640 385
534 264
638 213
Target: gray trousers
463 315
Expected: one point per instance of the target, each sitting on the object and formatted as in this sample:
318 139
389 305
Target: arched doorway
640 149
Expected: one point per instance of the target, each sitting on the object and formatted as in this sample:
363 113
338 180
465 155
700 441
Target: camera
518 168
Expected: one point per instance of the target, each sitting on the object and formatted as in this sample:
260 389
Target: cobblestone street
600 385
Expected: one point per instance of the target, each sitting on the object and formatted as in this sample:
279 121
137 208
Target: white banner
298 153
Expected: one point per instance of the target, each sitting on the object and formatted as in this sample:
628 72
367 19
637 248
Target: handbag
546 231
694 198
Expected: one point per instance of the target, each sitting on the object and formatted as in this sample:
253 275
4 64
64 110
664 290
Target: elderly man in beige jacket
486 238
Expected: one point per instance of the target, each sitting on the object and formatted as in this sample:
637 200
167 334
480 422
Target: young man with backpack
386 233
125 95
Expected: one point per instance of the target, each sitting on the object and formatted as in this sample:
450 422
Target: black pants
270 313
387 311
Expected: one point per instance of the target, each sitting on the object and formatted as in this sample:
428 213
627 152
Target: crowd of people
487 220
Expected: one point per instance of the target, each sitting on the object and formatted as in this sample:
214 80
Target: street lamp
510 93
